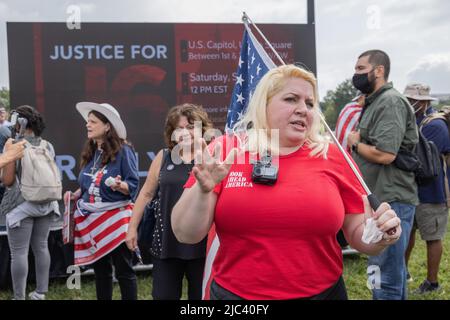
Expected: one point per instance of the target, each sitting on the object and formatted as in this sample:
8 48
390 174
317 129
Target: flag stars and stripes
240 61
239 80
250 71
240 98
97 234
253 64
240 115
258 69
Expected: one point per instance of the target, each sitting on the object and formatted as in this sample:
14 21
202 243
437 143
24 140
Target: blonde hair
256 114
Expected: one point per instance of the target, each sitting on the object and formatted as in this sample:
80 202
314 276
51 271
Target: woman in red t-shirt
278 231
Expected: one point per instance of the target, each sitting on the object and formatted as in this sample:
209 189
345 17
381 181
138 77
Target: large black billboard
142 69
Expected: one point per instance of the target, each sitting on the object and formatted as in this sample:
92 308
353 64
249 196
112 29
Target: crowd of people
263 193
379 127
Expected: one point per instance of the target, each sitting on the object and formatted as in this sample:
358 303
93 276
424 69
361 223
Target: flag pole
374 202
246 19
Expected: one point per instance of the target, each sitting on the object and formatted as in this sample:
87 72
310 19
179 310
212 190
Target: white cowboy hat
84 108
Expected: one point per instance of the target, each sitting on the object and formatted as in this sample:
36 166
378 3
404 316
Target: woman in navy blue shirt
109 183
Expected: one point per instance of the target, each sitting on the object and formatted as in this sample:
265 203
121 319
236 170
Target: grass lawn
354 274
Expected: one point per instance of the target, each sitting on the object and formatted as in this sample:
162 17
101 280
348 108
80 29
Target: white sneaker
36 296
409 278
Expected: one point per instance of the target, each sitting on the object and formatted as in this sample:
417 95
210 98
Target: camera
23 122
264 172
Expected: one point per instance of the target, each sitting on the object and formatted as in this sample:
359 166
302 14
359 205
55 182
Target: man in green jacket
387 124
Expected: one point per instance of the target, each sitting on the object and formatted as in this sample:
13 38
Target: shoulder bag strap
447 188
166 153
19 164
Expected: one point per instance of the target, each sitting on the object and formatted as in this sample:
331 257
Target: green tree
4 97
335 100
442 103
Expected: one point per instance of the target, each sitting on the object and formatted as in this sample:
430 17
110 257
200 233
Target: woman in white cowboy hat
108 186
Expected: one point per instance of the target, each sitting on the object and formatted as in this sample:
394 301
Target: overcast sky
415 33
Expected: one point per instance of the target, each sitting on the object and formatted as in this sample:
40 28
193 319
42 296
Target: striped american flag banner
347 122
212 246
254 63
99 233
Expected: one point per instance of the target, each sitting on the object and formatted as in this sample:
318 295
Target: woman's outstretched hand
209 170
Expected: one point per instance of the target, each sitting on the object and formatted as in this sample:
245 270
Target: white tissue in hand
371 233
110 181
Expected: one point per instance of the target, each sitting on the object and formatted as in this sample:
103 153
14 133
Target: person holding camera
277 231
27 221
168 173
11 152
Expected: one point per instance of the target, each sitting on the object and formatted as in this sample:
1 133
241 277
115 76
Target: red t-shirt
279 242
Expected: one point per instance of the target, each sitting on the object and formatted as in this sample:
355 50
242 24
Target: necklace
96 158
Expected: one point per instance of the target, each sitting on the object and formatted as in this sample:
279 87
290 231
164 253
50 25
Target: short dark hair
378 58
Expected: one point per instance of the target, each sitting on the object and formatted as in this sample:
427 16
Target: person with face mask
387 125
432 213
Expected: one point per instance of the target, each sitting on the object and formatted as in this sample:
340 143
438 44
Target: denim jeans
393 284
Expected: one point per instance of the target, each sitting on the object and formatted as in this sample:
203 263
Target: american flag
99 233
254 62
347 122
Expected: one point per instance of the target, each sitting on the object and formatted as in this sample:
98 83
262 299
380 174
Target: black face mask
362 83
